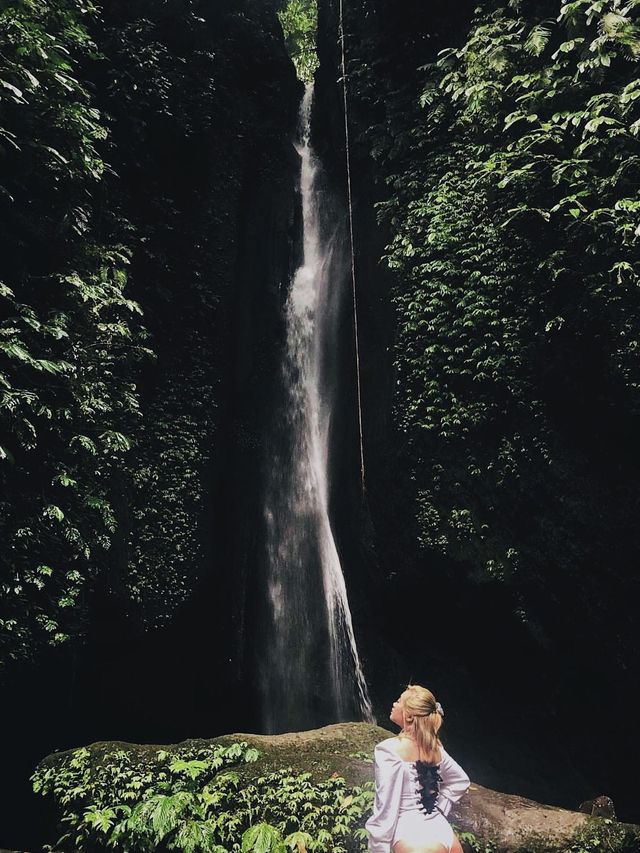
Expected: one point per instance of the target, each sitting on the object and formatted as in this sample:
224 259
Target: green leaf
85 442
5 453
101 819
13 89
538 38
54 512
64 480
114 440
192 769
262 838
300 840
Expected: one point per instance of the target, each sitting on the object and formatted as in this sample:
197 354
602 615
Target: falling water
309 665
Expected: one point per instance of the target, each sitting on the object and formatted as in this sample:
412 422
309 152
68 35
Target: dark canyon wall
531 663
200 101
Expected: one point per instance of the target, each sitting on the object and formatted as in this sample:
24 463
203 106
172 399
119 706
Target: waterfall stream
310 670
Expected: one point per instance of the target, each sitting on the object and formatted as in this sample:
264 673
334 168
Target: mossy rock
506 822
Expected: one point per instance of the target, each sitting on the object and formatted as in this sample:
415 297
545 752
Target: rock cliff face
210 186
202 105
209 183
416 609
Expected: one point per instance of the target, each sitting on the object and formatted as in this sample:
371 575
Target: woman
417 782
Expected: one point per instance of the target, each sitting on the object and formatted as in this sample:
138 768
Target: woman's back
417 782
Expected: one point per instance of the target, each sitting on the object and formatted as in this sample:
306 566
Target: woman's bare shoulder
402 748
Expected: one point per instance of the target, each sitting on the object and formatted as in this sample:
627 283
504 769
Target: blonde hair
423 718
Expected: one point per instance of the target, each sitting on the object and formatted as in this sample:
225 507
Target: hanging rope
351 240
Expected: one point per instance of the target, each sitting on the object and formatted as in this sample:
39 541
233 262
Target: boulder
512 823
600 807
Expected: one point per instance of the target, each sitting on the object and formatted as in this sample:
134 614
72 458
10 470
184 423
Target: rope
351 240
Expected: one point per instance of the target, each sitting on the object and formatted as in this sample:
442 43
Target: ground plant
197 798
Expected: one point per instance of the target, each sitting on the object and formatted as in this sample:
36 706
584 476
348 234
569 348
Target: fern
179 800
538 38
196 837
161 813
261 838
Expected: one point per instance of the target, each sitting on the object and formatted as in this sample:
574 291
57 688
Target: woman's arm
382 823
454 783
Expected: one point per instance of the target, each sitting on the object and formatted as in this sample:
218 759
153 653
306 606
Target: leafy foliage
162 87
120 192
596 834
191 800
198 797
604 834
196 93
512 209
299 19
70 339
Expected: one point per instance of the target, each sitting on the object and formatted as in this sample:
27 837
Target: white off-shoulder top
396 792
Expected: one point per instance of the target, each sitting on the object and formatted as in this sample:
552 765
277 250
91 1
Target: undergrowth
196 799
193 799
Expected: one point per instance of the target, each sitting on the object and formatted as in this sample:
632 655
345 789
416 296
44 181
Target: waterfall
310 670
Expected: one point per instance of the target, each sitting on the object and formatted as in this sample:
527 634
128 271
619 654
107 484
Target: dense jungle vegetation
515 231
498 144
511 170
299 19
72 338
195 800
112 164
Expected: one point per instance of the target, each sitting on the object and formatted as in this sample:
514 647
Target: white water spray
310 668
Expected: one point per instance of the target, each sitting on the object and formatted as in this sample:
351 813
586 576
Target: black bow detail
429 779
